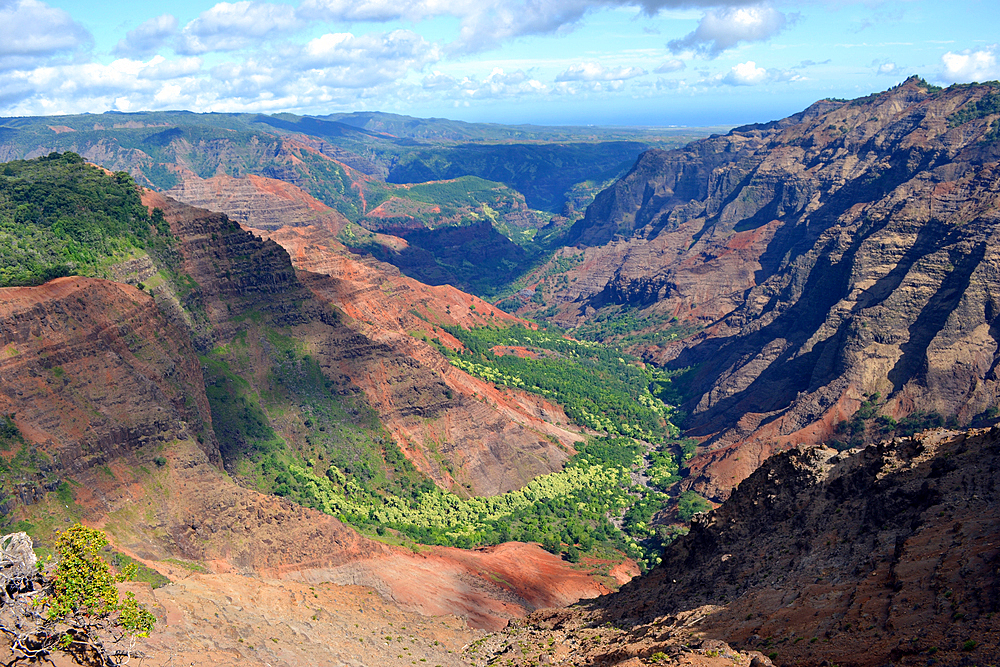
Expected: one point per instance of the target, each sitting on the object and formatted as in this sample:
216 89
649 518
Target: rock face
475 446
105 387
495 440
91 370
860 558
257 201
847 251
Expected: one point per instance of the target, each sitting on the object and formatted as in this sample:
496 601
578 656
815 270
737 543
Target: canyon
815 292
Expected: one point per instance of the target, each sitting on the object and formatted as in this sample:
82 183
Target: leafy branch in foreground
73 607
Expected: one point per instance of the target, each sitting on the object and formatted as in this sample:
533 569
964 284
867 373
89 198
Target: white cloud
745 74
749 74
887 69
365 10
231 26
672 65
148 38
32 28
597 72
506 84
969 65
438 81
160 68
344 60
724 28
668 84
486 24
498 84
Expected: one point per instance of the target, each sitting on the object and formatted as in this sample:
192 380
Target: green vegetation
60 216
467 190
868 425
73 605
125 563
25 471
689 504
84 590
987 105
9 433
341 432
544 173
626 326
342 462
599 386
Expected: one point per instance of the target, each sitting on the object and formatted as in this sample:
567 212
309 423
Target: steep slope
257 201
346 165
862 558
118 410
487 435
90 369
465 231
248 289
841 257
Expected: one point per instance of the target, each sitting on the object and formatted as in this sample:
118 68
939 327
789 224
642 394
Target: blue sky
652 62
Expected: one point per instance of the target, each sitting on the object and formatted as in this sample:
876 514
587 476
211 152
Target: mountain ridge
865 557
835 259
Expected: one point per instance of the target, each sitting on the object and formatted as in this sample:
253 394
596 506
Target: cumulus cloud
668 66
498 84
344 60
886 68
597 72
505 84
438 81
745 74
159 68
32 28
148 38
724 28
365 10
749 74
971 65
486 23
230 26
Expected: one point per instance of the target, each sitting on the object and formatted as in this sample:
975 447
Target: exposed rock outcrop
479 446
494 439
847 251
92 370
257 201
860 558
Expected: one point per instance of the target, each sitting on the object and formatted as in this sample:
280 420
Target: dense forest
60 216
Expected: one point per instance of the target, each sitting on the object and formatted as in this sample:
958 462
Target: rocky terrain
885 555
107 421
425 402
234 162
845 254
392 307
827 278
117 418
257 201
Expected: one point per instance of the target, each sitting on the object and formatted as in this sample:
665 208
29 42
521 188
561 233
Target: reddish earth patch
514 350
488 586
256 201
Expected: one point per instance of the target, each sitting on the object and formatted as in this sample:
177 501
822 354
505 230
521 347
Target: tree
73 607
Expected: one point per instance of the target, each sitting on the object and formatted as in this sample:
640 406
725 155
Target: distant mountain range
360 165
